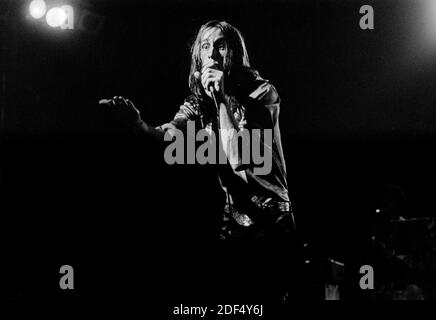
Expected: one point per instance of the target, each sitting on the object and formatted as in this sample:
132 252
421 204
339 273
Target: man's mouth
217 66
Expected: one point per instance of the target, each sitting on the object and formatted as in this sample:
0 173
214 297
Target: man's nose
213 54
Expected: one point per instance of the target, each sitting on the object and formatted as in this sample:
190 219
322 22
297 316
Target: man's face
213 48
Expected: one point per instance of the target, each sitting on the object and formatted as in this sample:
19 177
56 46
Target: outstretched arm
131 117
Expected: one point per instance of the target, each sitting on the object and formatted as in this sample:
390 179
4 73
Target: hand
124 109
211 76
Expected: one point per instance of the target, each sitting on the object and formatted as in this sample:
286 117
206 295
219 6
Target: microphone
211 87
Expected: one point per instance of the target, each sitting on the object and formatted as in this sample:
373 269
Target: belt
269 204
278 210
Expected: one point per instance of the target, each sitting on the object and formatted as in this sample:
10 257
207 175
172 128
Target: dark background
357 120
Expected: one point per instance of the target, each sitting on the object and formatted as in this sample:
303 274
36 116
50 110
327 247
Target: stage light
430 20
37 9
56 17
421 48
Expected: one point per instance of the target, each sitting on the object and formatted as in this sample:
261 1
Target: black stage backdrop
357 118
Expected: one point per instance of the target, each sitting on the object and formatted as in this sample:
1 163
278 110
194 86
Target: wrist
137 124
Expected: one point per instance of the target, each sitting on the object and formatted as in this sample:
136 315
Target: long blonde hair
237 56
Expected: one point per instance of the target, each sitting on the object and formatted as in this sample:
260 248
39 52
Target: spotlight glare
56 17
37 9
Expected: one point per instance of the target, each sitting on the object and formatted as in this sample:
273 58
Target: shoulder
265 92
260 89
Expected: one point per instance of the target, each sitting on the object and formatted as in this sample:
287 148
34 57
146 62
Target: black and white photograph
217 159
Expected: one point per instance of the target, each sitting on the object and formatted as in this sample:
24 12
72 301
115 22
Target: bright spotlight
37 9
430 20
56 17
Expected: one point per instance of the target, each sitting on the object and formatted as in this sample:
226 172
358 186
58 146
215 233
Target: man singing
228 96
